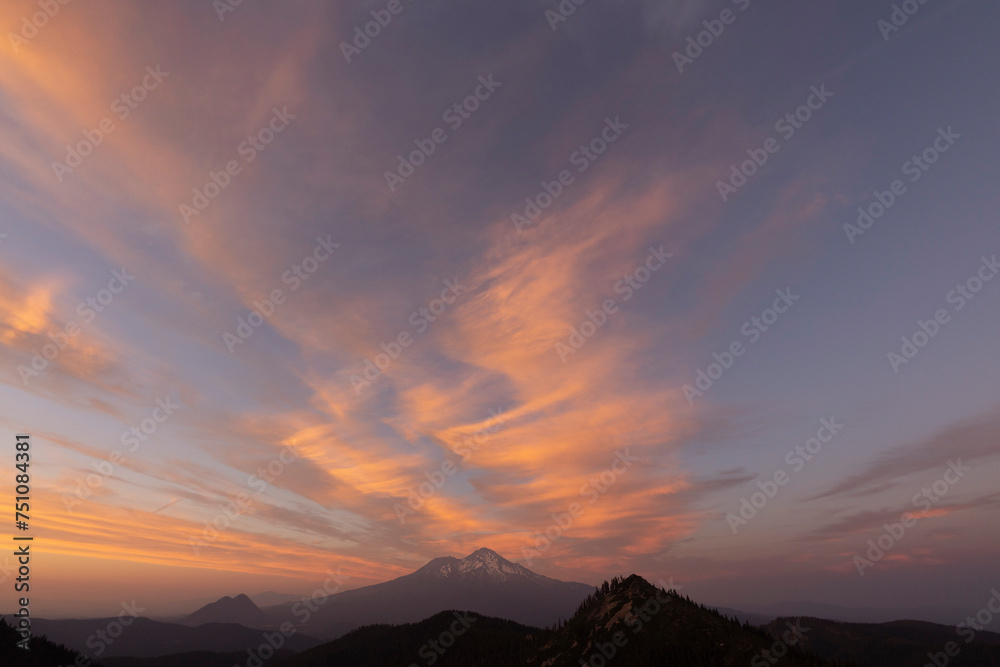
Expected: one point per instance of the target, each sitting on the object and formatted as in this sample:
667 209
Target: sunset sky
242 155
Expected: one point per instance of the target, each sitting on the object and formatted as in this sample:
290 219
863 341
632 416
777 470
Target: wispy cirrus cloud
972 440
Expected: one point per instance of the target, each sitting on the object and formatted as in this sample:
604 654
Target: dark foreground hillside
447 639
630 622
43 653
627 622
899 643
194 659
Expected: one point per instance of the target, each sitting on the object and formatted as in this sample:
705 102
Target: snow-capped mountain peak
480 564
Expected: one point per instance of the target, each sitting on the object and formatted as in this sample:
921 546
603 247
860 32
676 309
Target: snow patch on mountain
481 564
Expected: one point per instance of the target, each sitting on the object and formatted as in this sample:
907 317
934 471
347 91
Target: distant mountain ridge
898 643
148 638
270 598
832 612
